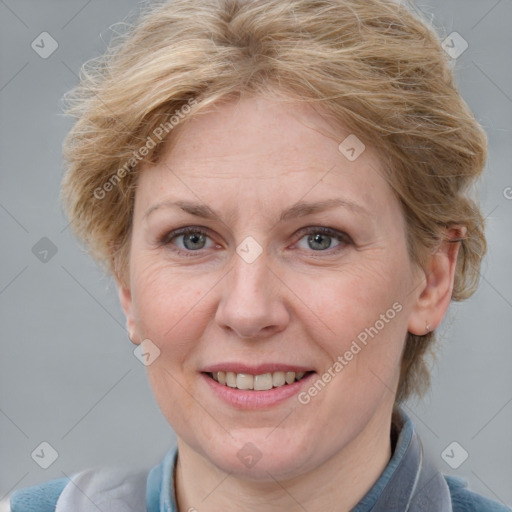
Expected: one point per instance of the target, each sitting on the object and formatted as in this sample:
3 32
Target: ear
125 298
436 286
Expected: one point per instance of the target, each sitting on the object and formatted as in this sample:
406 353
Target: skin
248 160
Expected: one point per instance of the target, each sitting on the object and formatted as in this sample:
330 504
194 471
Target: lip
255 369
253 400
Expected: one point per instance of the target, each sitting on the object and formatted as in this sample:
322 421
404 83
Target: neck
338 484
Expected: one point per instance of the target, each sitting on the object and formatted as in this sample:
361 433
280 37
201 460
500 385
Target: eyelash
334 233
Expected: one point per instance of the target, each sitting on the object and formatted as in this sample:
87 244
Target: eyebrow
300 209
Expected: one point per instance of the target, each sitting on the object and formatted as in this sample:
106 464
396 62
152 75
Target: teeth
261 382
278 379
244 381
231 379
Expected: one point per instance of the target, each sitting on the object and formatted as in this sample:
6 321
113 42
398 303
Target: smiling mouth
262 382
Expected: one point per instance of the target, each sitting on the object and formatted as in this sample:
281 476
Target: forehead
257 128
263 148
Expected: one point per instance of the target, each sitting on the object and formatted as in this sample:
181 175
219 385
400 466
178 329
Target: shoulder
39 498
102 487
464 500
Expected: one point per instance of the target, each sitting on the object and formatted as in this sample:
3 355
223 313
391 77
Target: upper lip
255 369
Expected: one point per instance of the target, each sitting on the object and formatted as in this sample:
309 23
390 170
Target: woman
279 190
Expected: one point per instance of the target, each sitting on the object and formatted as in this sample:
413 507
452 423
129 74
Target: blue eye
320 239
195 239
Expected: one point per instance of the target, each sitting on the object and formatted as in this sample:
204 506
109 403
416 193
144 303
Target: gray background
68 375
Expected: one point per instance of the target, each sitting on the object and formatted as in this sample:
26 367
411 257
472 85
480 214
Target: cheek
355 297
168 304
365 322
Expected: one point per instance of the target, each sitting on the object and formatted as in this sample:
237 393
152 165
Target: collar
409 483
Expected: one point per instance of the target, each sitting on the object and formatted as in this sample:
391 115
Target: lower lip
250 399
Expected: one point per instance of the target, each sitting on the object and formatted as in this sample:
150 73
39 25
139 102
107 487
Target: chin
254 456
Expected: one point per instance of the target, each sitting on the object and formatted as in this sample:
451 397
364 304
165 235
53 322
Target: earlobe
437 285
125 298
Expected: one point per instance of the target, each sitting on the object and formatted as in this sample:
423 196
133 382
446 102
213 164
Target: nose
253 300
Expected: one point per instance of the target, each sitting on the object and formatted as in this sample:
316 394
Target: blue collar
410 482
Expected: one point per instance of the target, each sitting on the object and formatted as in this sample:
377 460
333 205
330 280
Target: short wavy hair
372 66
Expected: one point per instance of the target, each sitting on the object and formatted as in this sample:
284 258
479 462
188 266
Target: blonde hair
372 66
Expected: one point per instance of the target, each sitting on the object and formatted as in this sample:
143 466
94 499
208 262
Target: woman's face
260 285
